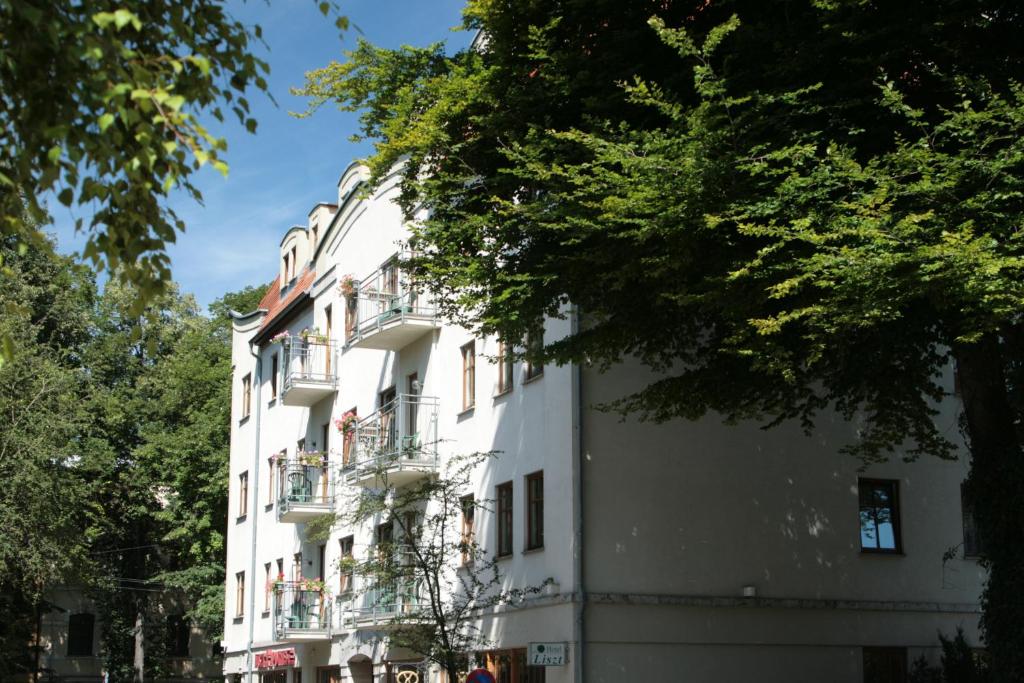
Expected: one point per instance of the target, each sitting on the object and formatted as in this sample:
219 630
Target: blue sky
289 164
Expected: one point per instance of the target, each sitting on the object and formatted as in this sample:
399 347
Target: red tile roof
273 302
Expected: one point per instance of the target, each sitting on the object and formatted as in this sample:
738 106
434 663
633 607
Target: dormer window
284 271
292 276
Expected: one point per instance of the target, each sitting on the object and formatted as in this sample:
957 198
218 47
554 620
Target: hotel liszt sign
547 654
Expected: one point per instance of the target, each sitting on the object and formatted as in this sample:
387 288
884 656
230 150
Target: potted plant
316 585
311 458
278 583
346 424
282 336
348 285
313 336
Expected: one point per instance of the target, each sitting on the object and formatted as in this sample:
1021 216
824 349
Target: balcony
302 611
395 445
309 370
385 312
304 487
382 607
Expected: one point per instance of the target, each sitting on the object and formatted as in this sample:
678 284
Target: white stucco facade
652 533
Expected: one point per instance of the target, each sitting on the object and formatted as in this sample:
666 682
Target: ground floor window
280 676
329 674
509 666
885 664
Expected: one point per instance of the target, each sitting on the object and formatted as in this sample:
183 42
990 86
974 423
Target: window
468 375
879 516
269 589
509 666
240 594
468 521
273 377
535 510
80 636
297 676
322 564
504 519
351 310
271 479
505 365
329 674
179 632
348 435
534 348
347 568
328 323
280 676
243 494
246 395
278 597
296 566
294 264
884 664
284 271
315 230
972 543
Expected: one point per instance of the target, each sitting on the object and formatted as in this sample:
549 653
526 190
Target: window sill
531 380
504 557
238 619
531 551
466 414
265 613
241 518
502 394
268 507
271 402
243 420
882 553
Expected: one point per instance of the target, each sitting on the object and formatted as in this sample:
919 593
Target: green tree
781 208
47 301
106 105
186 400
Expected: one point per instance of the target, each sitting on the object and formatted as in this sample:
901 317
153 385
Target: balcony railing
398 442
305 489
385 311
300 612
384 605
310 370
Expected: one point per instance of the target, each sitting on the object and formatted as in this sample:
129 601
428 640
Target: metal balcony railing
304 484
309 369
386 301
381 605
400 435
301 611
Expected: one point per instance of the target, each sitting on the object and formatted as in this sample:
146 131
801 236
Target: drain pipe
255 517
580 598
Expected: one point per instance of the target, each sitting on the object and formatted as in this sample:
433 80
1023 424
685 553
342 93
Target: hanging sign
546 654
274 659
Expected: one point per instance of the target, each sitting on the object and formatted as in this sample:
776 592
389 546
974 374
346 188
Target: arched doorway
360 669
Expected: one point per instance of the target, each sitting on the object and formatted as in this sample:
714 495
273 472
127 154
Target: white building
682 551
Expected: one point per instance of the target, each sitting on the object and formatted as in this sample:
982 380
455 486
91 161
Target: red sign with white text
273 659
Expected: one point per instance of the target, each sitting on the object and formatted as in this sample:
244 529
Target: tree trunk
995 487
140 645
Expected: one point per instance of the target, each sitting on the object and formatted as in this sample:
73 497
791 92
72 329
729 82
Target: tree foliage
780 207
115 450
101 107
